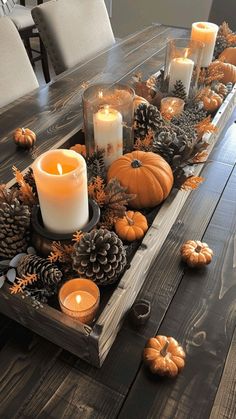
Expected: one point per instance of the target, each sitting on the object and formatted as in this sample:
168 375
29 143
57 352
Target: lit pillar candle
61 180
79 298
181 69
108 133
205 32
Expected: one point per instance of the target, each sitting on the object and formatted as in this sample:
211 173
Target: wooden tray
93 343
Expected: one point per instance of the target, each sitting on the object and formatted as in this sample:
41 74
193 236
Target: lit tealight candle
205 32
181 69
171 106
79 298
61 180
108 133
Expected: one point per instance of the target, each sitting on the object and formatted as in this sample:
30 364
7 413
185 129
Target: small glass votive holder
108 120
171 106
183 63
79 298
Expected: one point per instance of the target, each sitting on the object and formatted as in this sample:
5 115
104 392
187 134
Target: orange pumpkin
132 226
212 101
24 137
145 174
164 356
229 71
228 55
196 254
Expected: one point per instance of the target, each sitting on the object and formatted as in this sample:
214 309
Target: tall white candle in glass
108 133
61 180
181 69
205 32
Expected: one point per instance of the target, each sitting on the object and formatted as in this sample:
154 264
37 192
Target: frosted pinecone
147 118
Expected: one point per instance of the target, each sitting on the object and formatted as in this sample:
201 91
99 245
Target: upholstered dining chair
21 17
73 30
17 76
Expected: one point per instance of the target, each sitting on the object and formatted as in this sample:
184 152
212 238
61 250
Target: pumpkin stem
136 163
163 351
198 248
130 221
23 131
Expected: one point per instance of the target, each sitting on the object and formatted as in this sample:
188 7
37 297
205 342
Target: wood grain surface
39 380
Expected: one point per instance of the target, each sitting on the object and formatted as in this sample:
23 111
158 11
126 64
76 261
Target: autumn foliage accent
26 194
60 253
192 182
205 126
79 148
21 283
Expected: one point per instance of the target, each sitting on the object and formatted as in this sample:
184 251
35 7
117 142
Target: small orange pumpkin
212 101
79 148
228 55
196 254
24 137
132 226
164 356
229 71
145 174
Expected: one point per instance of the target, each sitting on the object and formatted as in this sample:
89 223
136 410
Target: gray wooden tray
93 343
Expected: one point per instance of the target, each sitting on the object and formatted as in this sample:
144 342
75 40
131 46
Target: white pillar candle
108 133
61 180
181 69
205 32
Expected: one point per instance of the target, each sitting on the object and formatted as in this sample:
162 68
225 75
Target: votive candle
61 180
79 298
108 133
171 106
205 32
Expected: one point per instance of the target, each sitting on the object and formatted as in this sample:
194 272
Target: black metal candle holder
42 238
140 312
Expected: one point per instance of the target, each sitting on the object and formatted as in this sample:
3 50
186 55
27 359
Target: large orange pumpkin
228 55
147 175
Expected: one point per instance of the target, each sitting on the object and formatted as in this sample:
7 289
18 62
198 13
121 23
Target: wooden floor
40 380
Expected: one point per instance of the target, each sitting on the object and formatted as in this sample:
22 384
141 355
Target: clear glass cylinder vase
183 63
108 120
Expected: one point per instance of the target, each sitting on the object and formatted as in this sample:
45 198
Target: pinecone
220 89
175 147
220 45
179 90
229 87
96 165
29 178
147 118
99 255
14 223
48 273
191 116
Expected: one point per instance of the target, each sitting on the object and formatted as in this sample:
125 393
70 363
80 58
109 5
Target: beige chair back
73 30
17 77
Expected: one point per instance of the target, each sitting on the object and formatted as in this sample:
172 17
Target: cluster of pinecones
100 256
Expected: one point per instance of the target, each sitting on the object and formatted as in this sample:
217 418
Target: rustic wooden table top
40 380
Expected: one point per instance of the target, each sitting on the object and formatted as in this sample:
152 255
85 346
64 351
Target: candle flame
106 109
186 53
59 168
100 95
78 298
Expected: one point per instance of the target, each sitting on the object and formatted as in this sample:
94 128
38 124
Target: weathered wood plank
225 403
202 317
24 362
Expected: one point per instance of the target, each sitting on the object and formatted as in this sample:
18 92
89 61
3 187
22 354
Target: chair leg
29 50
44 59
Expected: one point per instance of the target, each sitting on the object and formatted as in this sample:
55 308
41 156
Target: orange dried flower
146 143
79 148
192 183
26 193
200 157
96 190
205 126
23 282
78 236
60 253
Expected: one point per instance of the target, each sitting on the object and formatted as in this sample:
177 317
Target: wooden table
40 380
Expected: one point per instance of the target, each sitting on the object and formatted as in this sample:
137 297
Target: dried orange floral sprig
210 74
227 33
60 253
23 282
205 126
26 194
146 143
192 182
96 190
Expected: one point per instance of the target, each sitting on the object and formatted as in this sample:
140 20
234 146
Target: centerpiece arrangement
71 225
